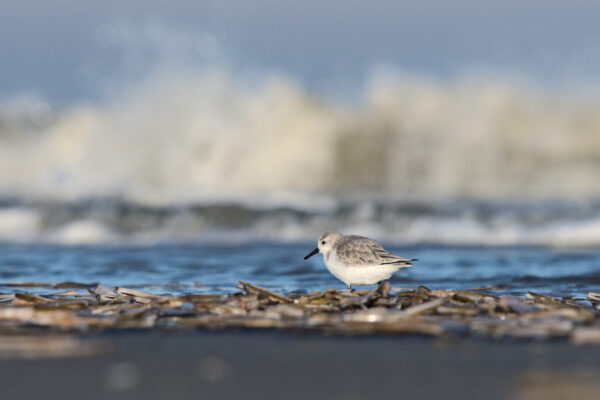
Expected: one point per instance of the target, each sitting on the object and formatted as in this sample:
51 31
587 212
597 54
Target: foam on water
190 153
460 223
202 134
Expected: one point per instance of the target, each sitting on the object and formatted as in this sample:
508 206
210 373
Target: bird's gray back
359 250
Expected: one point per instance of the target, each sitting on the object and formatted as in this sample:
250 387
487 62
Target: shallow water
201 268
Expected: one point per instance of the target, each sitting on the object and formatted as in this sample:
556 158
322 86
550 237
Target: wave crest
198 135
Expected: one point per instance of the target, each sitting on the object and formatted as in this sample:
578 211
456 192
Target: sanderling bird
357 260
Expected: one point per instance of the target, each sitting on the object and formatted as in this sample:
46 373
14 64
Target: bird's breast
330 258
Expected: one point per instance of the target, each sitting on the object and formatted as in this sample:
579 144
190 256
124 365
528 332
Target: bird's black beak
312 253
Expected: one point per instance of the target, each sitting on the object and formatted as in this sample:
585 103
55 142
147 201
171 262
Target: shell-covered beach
438 313
126 343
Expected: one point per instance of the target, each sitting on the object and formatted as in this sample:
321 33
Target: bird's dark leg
350 290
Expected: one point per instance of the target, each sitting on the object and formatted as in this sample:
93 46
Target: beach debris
250 288
102 290
81 308
594 298
423 308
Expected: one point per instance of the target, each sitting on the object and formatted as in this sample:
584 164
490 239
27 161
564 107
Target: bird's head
325 243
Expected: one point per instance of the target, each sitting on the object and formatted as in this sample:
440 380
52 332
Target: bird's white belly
358 275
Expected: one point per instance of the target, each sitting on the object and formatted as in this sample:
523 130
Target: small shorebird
357 260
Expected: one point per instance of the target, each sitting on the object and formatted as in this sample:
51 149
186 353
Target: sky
66 50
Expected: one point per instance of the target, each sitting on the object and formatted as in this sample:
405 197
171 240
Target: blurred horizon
451 122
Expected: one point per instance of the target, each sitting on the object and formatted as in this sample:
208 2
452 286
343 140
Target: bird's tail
407 262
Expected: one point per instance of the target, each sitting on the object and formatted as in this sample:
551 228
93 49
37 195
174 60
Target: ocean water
204 136
216 268
201 156
200 177
219 149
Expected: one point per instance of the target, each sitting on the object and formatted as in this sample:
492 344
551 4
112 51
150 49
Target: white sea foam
200 154
204 135
81 232
462 223
19 224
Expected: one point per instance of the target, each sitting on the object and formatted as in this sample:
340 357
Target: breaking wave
460 223
204 154
181 138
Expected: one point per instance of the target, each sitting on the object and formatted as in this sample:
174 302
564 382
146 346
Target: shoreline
381 311
122 343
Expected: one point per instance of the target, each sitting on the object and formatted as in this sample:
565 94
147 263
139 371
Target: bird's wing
359 250
390 258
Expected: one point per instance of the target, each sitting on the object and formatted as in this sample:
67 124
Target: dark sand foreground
279 365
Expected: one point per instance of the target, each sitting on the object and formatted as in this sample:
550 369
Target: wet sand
279 365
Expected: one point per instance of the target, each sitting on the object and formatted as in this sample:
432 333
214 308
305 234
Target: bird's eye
322 242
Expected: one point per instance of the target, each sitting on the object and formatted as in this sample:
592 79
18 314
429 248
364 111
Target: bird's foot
349 291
